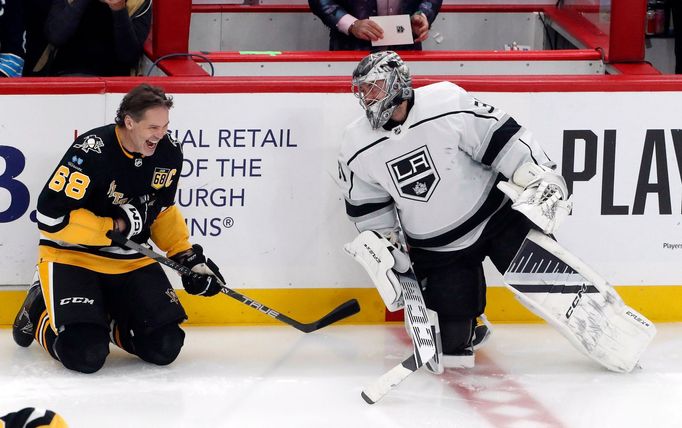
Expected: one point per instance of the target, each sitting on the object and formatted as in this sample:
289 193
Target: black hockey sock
44 334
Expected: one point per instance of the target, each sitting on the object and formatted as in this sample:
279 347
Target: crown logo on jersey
420 188
414 174
91 142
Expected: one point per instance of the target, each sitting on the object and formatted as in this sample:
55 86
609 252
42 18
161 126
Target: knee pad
456 336
82 347
160 346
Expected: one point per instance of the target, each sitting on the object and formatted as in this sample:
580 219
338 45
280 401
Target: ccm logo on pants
85 300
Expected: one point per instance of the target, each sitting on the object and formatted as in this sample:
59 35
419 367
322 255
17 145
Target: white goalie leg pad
380 259
459 361
579 303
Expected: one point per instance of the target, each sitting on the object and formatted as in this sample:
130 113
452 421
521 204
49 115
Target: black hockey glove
205 284
135 214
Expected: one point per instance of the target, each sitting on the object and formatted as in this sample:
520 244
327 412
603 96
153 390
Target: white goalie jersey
437 171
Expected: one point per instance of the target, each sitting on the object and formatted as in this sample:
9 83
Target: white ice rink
527 376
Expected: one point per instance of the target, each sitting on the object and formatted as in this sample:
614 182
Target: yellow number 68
75 186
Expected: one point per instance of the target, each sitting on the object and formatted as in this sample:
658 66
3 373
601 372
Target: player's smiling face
146 134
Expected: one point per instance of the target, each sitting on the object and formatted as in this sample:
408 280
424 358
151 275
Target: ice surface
526 376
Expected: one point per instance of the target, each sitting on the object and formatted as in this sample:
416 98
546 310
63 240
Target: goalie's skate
482 332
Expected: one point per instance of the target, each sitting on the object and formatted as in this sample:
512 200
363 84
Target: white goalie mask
381 81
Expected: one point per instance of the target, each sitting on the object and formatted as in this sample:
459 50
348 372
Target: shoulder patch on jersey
75 162
163 177
90 143
414 174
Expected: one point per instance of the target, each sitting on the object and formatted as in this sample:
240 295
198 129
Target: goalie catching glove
540 194
381 260
206 284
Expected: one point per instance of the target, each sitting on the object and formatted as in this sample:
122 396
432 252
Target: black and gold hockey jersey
77 205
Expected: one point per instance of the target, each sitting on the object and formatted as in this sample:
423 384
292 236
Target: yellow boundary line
659 303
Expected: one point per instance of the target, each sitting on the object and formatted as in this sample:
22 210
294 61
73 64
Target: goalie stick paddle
424 340
344 310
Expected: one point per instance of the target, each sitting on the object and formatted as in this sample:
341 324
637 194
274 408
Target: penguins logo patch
91 142
414 174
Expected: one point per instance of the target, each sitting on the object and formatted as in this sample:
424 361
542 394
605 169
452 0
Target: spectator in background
96 37
676 7
37 56
11 38
351 28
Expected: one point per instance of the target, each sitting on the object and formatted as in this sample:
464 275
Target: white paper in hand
397 30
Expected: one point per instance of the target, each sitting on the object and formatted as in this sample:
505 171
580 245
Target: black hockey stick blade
345 310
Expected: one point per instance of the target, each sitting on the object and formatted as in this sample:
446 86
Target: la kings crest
414 174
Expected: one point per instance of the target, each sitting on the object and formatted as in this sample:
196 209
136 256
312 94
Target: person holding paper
352 29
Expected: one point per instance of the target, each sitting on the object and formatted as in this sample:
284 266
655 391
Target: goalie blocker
382 261
578 302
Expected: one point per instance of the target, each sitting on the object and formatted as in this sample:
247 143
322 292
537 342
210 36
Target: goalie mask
381 81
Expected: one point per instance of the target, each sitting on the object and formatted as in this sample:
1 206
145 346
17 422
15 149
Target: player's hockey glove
383 263
206 283
540 194
135 214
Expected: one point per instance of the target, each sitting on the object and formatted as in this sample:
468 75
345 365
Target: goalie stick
425 339
344 310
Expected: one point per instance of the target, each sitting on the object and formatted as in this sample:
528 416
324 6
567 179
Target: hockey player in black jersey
459 180
87 291
31 417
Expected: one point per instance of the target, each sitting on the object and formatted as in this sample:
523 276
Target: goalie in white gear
428 161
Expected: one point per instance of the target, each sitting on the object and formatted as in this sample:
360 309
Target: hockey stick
344 310
425 337
390 380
